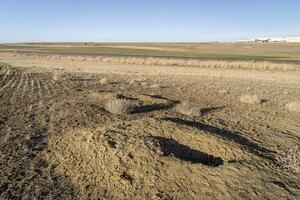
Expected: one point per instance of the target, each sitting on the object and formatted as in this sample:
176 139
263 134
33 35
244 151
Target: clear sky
146 20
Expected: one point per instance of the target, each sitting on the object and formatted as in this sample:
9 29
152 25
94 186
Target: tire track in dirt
15 88
4 75
7 84
16 79
39 94
26 82
33 96
2 70
65 88
26 99
31 175
52 88
39 129
15 148
3 79
9 89
49 88
46 88
57 88
21 81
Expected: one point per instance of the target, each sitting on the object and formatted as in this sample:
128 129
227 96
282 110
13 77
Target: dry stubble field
185 132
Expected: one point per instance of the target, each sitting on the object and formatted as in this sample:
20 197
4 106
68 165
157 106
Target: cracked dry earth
58 141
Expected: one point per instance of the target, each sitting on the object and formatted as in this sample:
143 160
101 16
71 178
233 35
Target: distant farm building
273 40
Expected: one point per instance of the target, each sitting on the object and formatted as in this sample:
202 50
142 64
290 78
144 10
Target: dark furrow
25 85
23 138
21 81
62 87
39 94
7 85
4 77
16 86
51 87
46 88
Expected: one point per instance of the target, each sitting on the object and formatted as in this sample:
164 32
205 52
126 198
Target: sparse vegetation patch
188 109
103 81
57 76
118 106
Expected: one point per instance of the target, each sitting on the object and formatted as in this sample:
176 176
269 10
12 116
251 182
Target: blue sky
146 20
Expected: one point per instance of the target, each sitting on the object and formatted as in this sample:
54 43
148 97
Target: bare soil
58 141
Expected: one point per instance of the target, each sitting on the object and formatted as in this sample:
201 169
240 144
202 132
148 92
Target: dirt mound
128 160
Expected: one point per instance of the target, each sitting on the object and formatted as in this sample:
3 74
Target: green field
227 51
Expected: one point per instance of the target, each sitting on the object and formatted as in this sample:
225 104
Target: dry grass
217 64
57 76
154 86
188 109
95 98
103 81
131 82
293 106
5 71
250 99
118 106
290 159
257 65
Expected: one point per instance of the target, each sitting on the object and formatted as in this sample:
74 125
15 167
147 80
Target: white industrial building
273 40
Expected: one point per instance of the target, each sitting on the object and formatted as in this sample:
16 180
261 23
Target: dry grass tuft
154 86
131 82
188 109
293 106
8 72
95 98
57 76
250 99
103 81
118 106
290 159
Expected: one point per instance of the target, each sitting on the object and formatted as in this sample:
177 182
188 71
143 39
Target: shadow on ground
205 111
155 107
171 147
226 134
